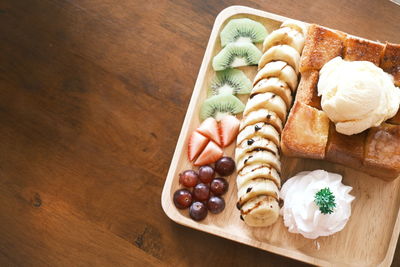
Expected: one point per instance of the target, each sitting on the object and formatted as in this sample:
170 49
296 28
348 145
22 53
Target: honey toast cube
308 133
391 61
321 45
361 49
346 149
382 151
305 133
307 92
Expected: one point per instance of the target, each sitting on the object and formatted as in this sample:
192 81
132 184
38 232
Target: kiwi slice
220 105
236 55
230 81
243 30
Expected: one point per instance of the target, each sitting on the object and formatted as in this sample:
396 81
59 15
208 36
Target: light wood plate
370 236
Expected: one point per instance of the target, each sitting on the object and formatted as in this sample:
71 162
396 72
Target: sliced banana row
257 151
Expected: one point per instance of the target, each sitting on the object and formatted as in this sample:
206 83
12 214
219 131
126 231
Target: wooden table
92 98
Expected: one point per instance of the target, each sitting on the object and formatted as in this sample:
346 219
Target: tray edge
165 201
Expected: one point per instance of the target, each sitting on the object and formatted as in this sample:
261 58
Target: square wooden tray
369 238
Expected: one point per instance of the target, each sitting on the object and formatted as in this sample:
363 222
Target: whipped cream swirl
300 212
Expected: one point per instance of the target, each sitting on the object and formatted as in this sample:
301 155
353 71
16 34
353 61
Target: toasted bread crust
305 133
361 49
307 91
390 61
347 150
321 45
382 148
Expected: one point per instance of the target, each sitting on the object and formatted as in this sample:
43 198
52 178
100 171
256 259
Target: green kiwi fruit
231 81
243 30
236 55
220 105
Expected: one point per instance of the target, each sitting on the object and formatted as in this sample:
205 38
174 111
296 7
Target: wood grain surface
92 100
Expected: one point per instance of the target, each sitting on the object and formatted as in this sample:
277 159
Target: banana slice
281 70
255 171
262 115
276 86
255 188
299 26
268 101
259 129
263 157
286 36
281 52
261 211
256 143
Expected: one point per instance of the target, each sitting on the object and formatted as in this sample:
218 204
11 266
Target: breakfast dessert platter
291 142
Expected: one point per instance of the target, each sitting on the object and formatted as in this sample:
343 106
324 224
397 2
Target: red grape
225 166
198 211
216 204
201 192
219 186
206 174
182 198
188 178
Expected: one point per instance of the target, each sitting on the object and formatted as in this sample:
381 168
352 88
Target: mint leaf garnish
325 200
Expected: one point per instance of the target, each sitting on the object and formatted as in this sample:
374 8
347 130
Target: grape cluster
203 191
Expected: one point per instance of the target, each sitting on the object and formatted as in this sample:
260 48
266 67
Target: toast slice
346 150
305 133
361 49
321 45
382 151
390 61
307 91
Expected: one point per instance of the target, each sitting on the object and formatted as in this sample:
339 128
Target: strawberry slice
210 154
209 128
197 142
229 129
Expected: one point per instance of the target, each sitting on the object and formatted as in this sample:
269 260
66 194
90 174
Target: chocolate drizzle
258 167
250 210
270 151
257 149
253 95
245 161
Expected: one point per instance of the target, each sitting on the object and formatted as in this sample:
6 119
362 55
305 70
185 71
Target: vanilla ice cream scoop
357 95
